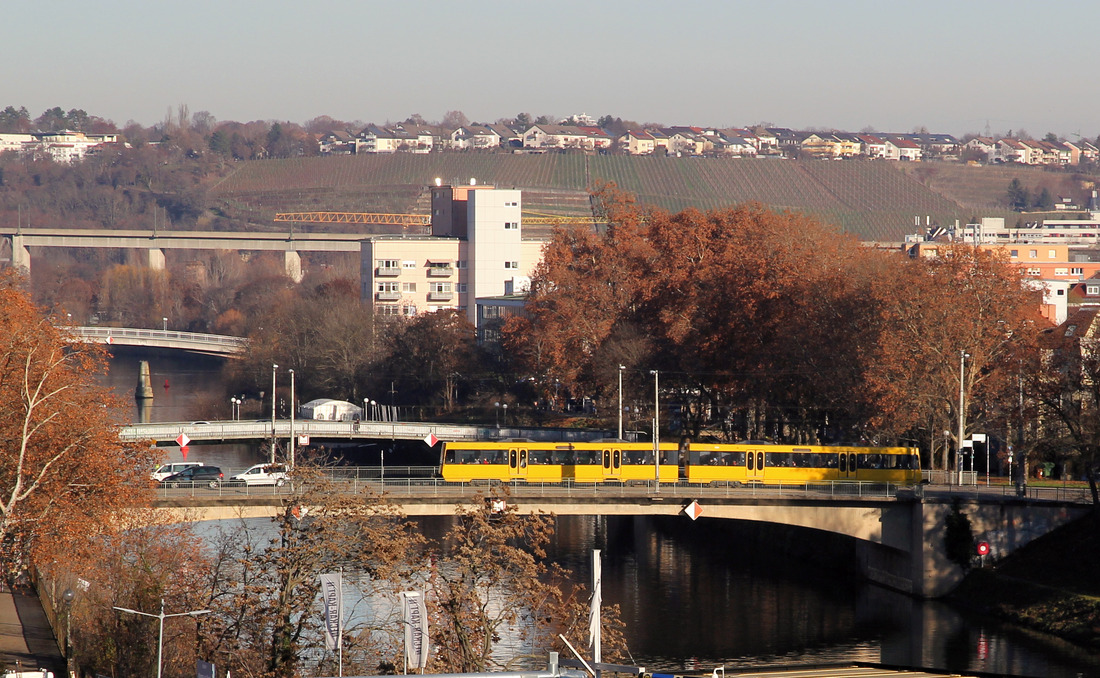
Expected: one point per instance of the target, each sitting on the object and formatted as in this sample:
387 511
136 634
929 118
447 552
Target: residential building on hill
475 252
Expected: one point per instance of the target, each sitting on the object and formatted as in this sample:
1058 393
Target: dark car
211 476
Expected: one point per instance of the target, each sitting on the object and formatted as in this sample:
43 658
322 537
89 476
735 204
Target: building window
1061 271
408 310
408 264
387 263
511 264
387 309
460 288
1076 271
460 264
387 287
441 287
1092 290
1052 254
1034 271
511 226
408 287
1033 254
1014 253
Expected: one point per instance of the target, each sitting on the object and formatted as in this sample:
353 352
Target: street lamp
963 355
657 424
496 408
375 413
366 403
162 617
505 406
292 408
165 321
273 368
68 596
621 368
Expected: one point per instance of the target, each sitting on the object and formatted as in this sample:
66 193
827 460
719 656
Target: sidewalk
26 639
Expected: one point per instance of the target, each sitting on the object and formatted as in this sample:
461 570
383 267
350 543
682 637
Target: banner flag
332 595
415 619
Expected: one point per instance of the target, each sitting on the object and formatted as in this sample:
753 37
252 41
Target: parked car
165 470
262 474
210 476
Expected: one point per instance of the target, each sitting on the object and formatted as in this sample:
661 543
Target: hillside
873 200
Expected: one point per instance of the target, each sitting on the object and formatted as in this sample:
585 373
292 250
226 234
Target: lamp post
160 637
366 404
273 368
375 414
505 406
292 408
68 596
963 355
165 322
657 424
496 409
621 368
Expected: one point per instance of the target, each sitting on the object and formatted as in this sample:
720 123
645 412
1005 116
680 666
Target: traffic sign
182 440
431 440
983 548
693 510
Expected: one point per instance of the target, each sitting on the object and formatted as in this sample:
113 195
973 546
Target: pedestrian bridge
193 342
899 534
199 432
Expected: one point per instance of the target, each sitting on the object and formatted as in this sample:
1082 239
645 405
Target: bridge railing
423 481
161 335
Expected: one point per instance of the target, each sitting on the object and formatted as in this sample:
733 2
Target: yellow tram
555 462
765 463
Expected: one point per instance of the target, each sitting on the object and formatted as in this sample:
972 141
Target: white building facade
476 250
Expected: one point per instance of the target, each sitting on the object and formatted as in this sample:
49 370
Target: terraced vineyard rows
873 200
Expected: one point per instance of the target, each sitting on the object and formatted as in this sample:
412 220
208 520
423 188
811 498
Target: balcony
440 271
441 296
388 296
387 272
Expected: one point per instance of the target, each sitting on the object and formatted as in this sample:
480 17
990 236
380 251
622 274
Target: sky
890 66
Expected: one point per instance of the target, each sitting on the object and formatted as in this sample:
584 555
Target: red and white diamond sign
693 510
431 440
182 440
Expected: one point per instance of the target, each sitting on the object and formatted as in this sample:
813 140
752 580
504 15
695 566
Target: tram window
736 459
752 461
617 458
607 459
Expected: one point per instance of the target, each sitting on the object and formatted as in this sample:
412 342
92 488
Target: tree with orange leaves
64 472
966 305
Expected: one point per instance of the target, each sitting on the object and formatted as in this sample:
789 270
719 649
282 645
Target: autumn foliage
766 324
64 473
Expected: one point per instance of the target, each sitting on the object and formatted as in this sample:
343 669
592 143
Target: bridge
15 244
898 532
261 429
192 342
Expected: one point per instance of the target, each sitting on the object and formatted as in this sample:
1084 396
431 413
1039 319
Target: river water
697 595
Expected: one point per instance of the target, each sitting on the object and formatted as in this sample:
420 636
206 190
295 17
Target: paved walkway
26 639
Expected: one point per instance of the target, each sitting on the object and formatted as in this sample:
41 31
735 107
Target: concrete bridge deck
899 534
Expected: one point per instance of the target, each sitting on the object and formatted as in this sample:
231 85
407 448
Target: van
165 470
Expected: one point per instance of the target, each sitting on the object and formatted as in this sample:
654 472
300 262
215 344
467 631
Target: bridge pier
292 264
20 255
154 258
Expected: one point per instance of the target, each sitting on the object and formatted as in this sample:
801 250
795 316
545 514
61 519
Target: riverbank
1050 585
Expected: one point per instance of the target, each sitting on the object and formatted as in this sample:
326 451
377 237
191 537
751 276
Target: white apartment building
475 251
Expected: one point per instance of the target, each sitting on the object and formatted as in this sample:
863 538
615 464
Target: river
696 595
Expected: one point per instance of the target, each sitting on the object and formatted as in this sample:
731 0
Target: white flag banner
597 600
415 618
332 595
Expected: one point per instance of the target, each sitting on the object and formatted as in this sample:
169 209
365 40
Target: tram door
517 463
612 464
847 466
754 465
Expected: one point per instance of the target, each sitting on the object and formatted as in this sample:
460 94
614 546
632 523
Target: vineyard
873 200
